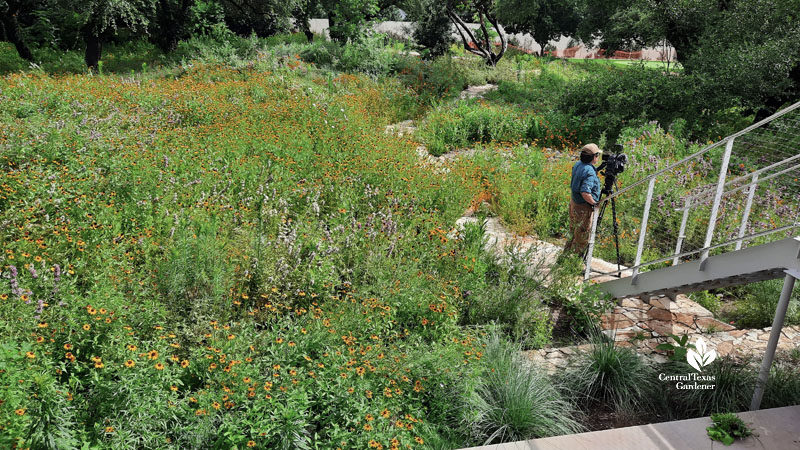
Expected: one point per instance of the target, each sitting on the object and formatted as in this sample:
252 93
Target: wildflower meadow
230 251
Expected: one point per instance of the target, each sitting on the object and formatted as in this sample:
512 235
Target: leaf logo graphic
702 357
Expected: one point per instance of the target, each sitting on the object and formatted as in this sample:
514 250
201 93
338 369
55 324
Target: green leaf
727 439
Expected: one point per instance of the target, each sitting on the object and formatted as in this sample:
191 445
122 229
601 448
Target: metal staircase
694 236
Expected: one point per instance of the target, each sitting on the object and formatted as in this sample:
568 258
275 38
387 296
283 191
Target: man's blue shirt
584 179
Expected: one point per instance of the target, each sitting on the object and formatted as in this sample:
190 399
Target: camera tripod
608 190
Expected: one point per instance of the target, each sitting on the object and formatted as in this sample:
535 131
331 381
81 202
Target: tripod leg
616 235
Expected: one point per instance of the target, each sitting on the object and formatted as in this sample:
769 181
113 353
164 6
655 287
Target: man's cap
590 149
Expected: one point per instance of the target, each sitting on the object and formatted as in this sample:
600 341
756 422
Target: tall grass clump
515 401
191 276
734 383
611 375
431 81
536 91
783 386
448 128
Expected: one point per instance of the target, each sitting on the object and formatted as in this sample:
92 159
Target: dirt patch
602 417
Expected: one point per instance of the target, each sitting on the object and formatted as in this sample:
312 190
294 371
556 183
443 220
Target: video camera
612 165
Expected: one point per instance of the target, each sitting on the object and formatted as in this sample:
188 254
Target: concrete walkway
773 429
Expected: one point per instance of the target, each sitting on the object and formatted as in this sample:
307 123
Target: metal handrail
718 192
706 193
705 150
692 252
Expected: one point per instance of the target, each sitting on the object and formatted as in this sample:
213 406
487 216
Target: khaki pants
580 224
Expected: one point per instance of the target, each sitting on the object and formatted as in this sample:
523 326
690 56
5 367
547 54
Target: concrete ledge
775 428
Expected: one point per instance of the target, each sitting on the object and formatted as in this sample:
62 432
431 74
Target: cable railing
740 191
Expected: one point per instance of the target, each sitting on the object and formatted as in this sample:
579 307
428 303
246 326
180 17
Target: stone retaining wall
733 342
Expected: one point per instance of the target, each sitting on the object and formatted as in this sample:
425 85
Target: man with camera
586 190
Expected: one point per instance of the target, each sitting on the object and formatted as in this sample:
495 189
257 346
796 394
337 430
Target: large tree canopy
545 20
432 27
262 17
740 52
347 18
102 18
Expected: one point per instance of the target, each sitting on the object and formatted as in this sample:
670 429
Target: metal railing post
746 214
643 230
774 336
682 232
712 221
589 251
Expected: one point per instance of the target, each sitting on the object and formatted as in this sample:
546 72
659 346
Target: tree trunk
332 26
483 49
12 34
306 27
94 49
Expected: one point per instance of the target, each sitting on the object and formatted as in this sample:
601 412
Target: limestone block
635 314
706 322
558 362
633 302
620 323
686 319
737 333
724 348
661 359
660 327
660 314
784 345
663 303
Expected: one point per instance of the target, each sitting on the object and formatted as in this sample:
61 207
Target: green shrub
10 60
220 47
514 401
584 304
58 61
322 54
432 29
726 427
367 56
707 300
612 375
286 38
539 92
432 81
191 277
612 99
757 303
